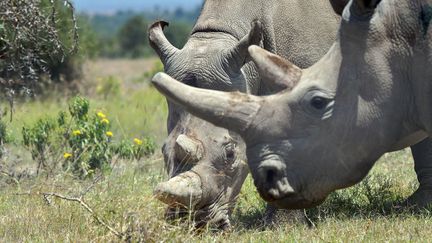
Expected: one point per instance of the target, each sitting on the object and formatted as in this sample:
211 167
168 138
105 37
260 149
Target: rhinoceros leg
275 217
422 153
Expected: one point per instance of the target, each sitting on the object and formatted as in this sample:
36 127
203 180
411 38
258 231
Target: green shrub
4 136
39 140
80 141
42 43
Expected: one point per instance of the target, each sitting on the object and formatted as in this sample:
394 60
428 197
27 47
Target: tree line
124 34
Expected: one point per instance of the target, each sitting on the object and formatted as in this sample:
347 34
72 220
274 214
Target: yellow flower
77 133
101 115
109 134
106 121
67 155
138 141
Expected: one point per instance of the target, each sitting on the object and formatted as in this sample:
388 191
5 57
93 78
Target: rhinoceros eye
319 103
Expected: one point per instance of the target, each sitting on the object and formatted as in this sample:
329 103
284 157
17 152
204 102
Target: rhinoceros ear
238 55
364 7
277 73
339 5
159 42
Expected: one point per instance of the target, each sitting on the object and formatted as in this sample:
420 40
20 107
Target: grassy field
123 198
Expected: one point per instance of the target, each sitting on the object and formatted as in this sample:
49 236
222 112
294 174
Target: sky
110 6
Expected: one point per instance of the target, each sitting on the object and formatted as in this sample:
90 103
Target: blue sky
107 6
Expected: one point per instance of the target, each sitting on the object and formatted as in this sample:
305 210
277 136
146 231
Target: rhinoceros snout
184 189
271 181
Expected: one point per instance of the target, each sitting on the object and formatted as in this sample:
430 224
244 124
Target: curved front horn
159 42
234 111
238 55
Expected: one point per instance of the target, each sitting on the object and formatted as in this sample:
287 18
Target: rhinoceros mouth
214 214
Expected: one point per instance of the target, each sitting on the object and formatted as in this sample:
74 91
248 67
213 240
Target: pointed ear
364 7
238 55
277 73
159 42
339 5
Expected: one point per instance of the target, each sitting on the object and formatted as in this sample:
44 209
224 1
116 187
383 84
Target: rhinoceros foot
277 217
422 198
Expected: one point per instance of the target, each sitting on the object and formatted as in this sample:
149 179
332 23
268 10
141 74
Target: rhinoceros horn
183 189
277 73
238 55
187 149
159 42
230 110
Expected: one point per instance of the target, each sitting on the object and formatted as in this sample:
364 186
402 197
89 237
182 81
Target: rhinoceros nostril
270 176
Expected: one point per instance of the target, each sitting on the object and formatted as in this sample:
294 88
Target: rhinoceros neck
233 17
299 30
419 35
422 82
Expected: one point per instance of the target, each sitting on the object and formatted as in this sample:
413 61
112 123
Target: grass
365 212
124 199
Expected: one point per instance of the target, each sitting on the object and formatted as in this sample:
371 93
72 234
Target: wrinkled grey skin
206 164
370 94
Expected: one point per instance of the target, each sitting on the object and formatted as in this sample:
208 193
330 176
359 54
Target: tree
38 38
133 37
178 33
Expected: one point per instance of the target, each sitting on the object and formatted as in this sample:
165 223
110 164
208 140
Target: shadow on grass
377 196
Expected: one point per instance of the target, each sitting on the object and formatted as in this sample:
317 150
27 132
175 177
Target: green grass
124 198
136 113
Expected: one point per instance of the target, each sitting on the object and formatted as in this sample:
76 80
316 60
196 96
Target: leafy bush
30 40
39 45
80 141
4 135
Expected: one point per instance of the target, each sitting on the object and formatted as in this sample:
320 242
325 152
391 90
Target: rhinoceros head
331 122
206 164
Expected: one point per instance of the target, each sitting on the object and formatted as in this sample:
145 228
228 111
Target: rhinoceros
370 94
206 164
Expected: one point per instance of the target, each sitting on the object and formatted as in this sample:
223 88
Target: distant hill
112 6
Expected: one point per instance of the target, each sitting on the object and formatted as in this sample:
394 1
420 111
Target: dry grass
124 199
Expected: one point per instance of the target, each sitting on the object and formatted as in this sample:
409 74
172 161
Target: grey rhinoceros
370 94
206 164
